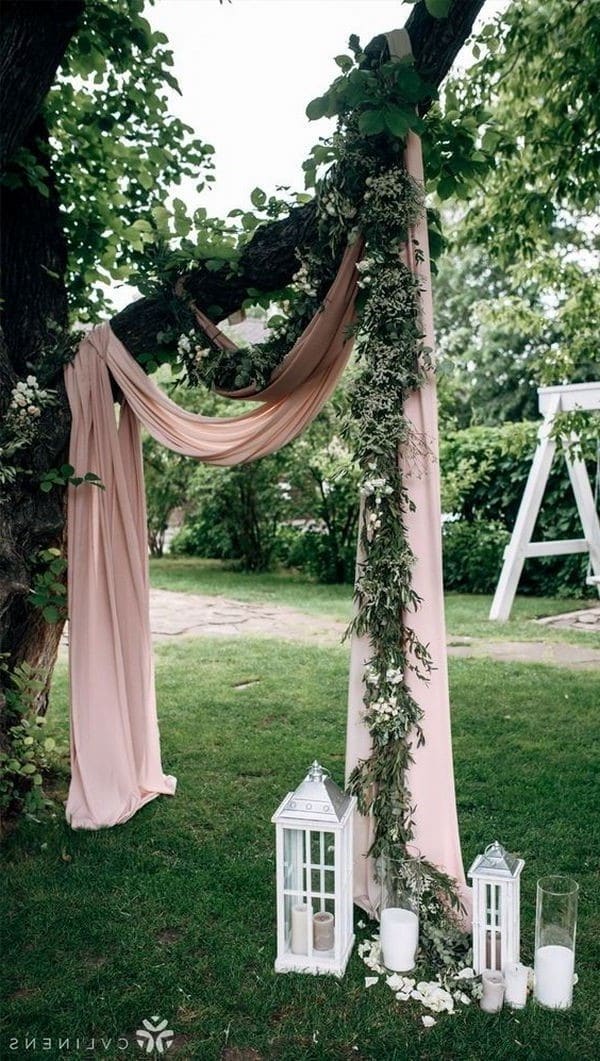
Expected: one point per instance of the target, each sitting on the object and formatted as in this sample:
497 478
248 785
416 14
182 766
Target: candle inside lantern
399 938
515 976
553 971
492 995
323 931
300 929
494 950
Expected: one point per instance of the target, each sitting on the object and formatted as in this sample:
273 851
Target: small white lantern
314 877
496 926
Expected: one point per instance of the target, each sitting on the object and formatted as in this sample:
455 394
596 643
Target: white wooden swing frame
552 401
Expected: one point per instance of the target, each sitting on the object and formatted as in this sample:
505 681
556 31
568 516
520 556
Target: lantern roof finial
496 862
316 798
316 772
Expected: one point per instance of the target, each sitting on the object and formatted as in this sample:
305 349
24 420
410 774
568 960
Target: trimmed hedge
484 471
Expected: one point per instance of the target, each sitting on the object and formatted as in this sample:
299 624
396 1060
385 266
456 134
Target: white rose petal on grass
395 981
371 980
428 1022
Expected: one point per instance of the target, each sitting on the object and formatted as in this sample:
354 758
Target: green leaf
438 8
397 120
372 122
50 613
318 108
446 186
258 198
344 62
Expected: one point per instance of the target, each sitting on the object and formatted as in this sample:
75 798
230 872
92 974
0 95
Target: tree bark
33 255
33 40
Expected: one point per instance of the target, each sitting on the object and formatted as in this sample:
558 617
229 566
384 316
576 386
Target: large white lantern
314 877
496 927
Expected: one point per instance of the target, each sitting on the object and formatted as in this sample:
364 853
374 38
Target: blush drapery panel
115 750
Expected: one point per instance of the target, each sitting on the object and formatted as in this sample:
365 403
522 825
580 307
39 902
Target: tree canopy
519 291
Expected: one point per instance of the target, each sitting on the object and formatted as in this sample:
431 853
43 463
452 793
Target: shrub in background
484 471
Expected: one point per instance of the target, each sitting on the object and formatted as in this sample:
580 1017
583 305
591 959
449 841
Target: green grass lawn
466 614
173 913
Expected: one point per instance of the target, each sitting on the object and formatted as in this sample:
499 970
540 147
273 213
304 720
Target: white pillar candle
553 976
300 929
515 979
323 931
492 995
399 938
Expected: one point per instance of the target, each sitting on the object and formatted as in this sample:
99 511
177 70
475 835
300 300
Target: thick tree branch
270 260
24 79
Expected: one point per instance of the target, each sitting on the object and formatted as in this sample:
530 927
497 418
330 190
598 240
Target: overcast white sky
248 68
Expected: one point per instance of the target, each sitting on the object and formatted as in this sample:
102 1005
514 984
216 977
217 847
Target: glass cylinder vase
401 886
555 929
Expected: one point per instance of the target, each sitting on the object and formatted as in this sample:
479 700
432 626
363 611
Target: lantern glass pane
294 863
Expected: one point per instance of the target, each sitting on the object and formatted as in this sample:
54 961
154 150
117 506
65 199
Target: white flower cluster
393 196
303 282
337 449
377 487
364 268
393 676
333 203
188 348
434 995
384 710
373 523
27 399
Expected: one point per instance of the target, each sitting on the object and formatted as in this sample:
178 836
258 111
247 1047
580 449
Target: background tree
528 231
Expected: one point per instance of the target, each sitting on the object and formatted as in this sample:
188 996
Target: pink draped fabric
431 775
115 749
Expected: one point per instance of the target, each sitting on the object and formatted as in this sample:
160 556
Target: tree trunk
33 254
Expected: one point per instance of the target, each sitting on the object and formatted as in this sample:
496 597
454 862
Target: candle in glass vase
555 930
492 995
554 976
515 978
300 929
399 938
323 931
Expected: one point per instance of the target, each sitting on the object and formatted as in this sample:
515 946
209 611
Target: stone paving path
183 615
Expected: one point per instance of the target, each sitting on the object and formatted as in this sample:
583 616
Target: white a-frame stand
552 400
